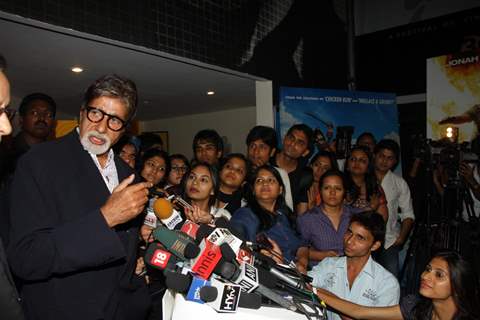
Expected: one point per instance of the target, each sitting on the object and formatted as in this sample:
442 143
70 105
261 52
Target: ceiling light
77 69
210 93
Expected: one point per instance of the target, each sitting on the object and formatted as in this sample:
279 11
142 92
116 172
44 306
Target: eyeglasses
180 168
9 112
96 115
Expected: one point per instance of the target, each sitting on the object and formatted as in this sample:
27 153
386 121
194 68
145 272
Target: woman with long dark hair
322 228
363 191
266 215
155 167
321 162
449 290
200 188
234 169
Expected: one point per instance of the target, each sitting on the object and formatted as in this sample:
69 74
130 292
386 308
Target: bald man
9 300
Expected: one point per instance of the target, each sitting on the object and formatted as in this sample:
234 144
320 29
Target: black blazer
71 264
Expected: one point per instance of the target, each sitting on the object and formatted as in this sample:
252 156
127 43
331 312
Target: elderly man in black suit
75 213
9 300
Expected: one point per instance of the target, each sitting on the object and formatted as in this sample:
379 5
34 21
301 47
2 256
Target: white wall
234 124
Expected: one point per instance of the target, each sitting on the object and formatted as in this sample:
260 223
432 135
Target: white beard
94 148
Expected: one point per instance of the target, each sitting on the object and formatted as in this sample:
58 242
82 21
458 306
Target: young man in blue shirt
356 276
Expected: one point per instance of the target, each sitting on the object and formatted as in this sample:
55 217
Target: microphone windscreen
163 208
177 282
208 293
227 252
191 250
203 231
250 300
226 269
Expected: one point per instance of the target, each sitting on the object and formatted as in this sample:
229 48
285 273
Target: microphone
221 296
251 280
196 285
177 243
192 229
177 282
210 293
164 211
268 264
157 257
204 264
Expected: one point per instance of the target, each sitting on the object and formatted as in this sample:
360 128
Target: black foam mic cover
177 282
227 252
191 251
250 300
203 231
208 294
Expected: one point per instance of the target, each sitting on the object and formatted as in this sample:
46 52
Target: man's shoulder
333 262
396 179
49 150
382 276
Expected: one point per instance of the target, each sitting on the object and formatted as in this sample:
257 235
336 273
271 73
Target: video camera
446 153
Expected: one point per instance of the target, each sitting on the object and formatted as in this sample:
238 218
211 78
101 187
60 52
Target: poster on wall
453 95
330 110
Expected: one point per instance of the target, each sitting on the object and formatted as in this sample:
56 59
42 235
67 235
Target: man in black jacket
75 211
9 300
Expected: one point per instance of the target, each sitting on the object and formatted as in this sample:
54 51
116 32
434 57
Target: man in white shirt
356 277
397 193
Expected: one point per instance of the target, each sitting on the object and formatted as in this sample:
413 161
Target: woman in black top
449 290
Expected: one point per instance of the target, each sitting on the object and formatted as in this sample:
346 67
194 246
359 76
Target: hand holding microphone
126 201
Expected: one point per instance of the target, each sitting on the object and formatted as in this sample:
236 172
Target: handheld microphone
196 285
176 242
268 264
177 282
246 300
157 257
221 296
192 229
251 280
204 264
164 211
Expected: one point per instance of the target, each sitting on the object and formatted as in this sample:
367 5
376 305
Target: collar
368 268
225 198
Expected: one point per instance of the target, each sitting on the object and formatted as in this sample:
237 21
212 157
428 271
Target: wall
234 124
375 15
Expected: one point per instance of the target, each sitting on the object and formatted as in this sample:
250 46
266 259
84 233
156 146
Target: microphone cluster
212 265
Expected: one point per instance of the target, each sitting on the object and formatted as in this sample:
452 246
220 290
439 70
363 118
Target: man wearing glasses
74 214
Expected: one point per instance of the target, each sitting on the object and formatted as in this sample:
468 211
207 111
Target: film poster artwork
330 111
453 96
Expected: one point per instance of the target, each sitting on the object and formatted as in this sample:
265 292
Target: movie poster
326 110
453 91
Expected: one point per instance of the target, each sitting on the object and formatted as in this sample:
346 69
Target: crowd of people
74 213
